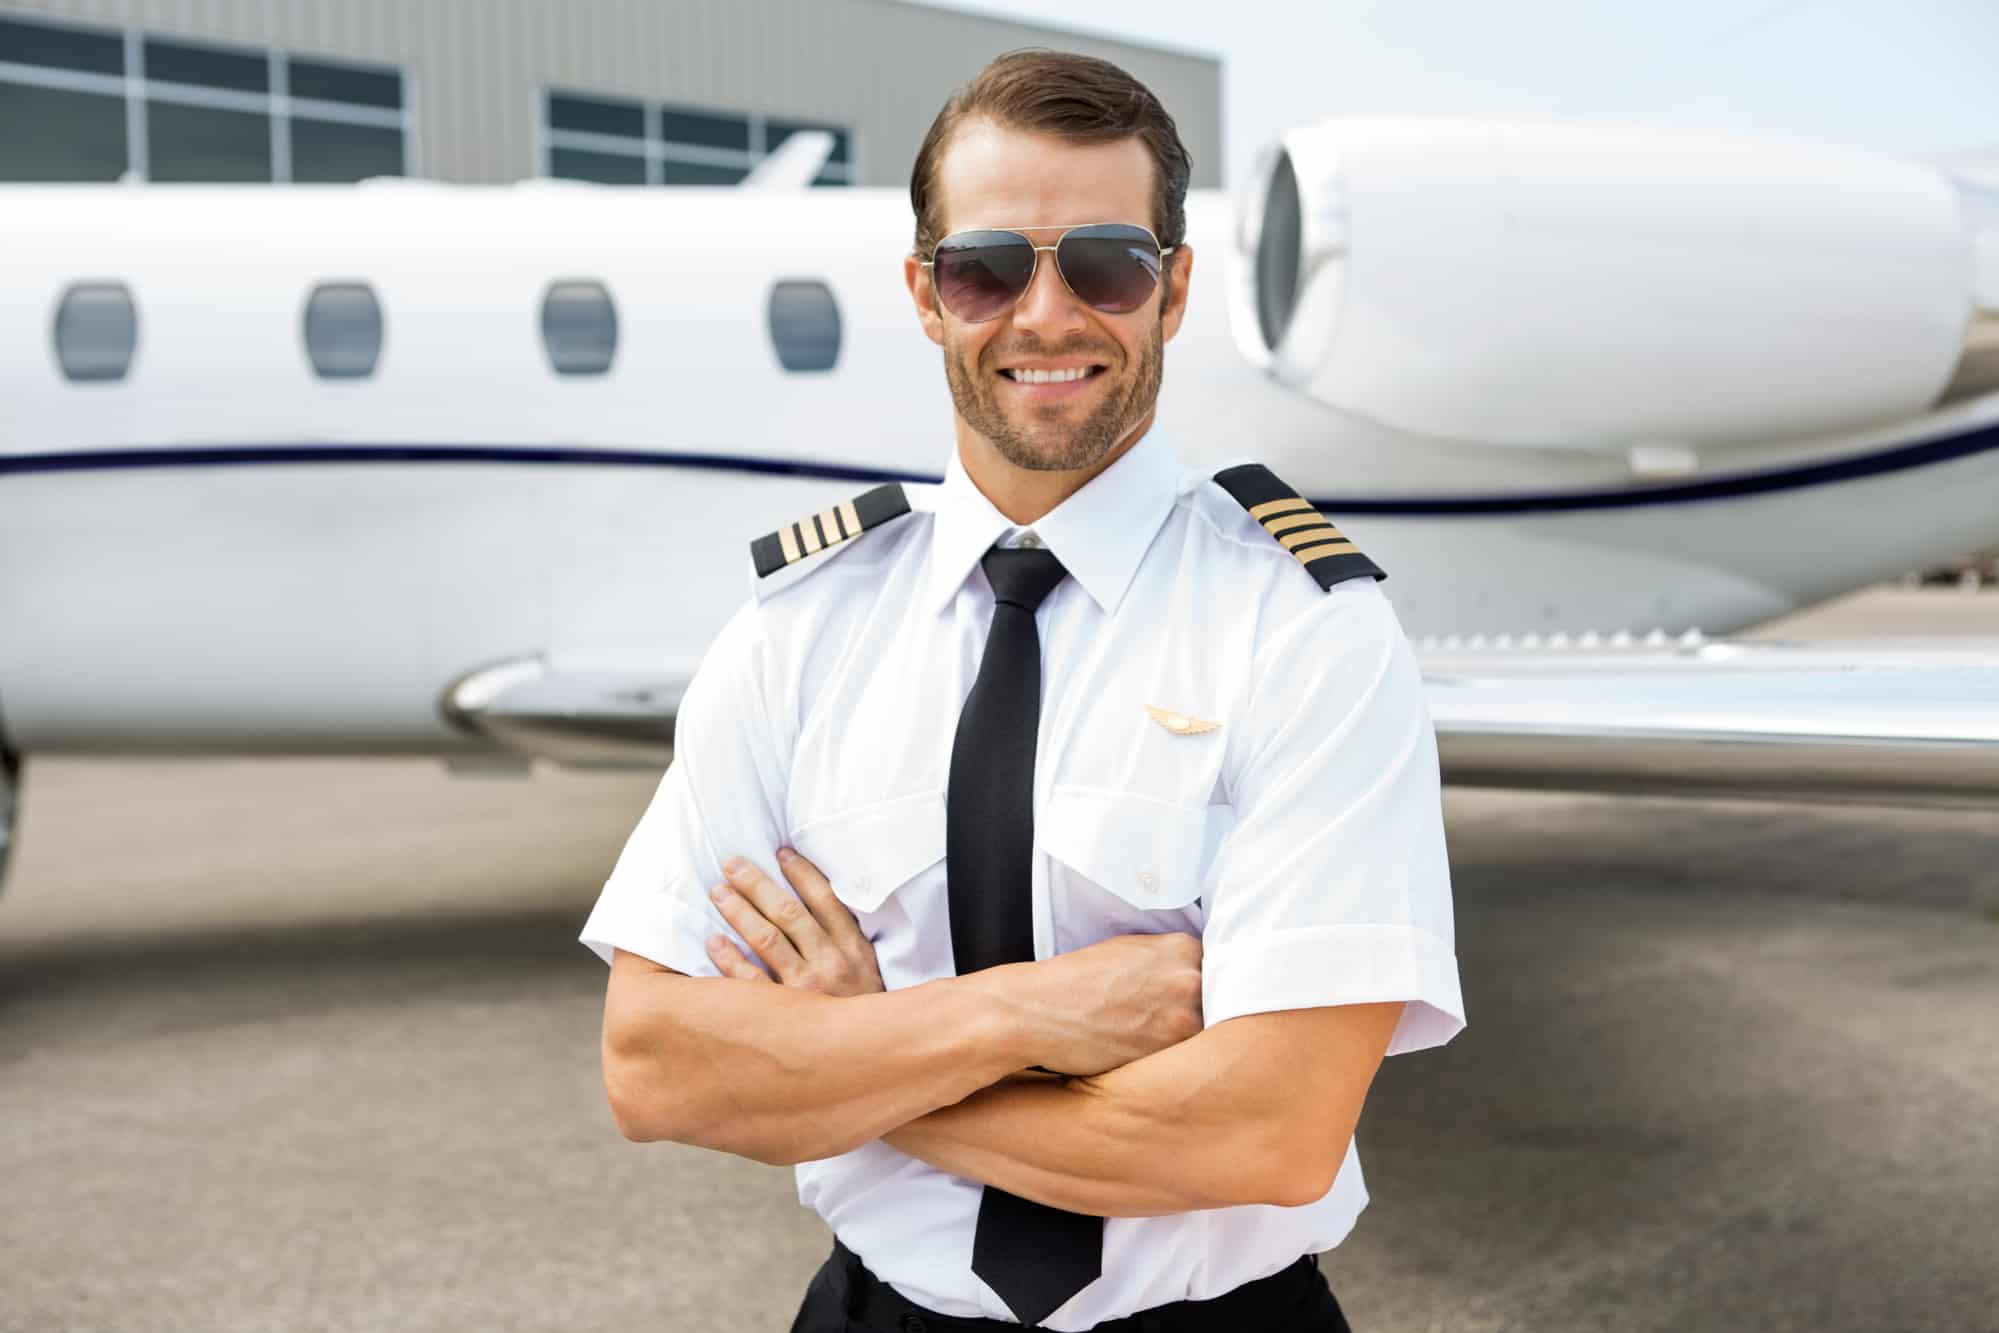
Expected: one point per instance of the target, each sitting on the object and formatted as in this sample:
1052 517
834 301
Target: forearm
1260 1108
784 1075
1168 1133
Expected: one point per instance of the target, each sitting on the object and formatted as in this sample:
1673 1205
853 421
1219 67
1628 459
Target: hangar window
804 325
351 84
579 327
61 46
691 128
96 331
110 103
626 142
343 330
577 164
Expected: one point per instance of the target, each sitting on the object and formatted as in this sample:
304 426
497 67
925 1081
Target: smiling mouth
1061 377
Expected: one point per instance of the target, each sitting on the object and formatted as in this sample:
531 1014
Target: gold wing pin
1179 723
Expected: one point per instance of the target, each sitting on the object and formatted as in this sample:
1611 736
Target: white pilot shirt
1302 839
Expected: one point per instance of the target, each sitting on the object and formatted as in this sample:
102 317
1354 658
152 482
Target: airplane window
343 330
804 325
579 327
96 331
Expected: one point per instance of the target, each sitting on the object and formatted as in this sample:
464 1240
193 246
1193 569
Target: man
1104 791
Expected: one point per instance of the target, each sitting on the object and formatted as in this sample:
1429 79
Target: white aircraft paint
223 552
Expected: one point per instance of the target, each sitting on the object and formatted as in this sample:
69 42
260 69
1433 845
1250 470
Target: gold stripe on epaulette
1291 541
1269 507
1286 522
1295 524
792 543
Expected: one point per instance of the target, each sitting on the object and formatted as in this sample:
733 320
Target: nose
1048 308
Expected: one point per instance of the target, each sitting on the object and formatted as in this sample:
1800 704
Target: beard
1041 438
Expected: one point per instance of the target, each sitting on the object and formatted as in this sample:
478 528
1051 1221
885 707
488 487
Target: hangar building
643 92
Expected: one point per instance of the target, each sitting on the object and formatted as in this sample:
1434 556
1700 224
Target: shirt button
1146 878
1030 540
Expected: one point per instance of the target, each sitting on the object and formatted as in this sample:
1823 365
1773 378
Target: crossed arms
1157 1114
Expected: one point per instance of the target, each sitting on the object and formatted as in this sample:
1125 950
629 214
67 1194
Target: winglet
794 165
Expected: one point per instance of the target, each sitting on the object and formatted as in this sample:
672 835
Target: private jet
471 471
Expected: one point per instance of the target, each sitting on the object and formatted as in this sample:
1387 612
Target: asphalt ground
309 1044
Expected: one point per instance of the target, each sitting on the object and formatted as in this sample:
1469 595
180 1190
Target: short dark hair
1076 97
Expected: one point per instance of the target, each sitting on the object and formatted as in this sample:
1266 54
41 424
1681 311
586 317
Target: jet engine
1600 287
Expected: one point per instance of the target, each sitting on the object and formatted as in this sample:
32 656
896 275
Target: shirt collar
1099 533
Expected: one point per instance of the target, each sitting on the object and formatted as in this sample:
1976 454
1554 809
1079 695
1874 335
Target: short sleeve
1332 887
720 797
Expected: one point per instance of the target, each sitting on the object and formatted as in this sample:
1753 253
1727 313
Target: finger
723 952
780 907
766 940
817 891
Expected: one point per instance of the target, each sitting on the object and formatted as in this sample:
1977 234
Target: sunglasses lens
980 273
1111 265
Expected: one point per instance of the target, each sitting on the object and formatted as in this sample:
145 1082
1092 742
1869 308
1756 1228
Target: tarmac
310 1044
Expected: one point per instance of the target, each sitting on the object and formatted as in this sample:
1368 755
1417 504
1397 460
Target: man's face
991 176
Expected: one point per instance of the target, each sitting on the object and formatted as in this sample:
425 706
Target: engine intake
1598 287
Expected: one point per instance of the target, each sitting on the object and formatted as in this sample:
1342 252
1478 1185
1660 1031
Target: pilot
1049 856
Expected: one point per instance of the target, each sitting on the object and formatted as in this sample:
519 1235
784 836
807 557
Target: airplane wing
1909 722
1883 722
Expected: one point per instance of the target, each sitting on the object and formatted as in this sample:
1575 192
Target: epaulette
1310 536
816 532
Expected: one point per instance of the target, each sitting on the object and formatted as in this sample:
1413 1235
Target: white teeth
1047 376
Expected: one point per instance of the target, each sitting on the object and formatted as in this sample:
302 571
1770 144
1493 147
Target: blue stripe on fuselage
1899 458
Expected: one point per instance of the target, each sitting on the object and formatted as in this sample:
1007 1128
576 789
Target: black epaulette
814 533
1300 529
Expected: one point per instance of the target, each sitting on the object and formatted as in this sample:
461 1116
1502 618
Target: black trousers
845 1297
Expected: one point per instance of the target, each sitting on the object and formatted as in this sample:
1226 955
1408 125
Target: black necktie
1034 1256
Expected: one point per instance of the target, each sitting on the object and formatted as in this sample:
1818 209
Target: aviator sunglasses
1110 266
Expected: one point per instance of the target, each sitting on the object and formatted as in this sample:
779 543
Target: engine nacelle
1597 287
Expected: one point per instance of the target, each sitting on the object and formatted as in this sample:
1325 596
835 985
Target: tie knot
1022 577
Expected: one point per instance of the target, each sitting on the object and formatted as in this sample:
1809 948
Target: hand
811 941
1112 1002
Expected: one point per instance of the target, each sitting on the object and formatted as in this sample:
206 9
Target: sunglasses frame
1065 228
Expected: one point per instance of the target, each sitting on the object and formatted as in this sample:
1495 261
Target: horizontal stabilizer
582 715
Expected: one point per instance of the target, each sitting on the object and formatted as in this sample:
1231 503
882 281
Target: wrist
1005 1021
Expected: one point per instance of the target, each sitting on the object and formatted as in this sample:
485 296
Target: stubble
1034 437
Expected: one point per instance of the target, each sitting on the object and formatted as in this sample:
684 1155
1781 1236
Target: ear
1182 268
924 293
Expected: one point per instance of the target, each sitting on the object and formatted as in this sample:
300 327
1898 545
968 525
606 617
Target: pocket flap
867 851
1151 854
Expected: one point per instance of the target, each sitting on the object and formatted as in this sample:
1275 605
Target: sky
1910 77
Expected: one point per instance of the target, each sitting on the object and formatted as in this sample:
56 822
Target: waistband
1263 1300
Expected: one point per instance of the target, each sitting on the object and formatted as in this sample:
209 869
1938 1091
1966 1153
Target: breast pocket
884 862
1123 863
